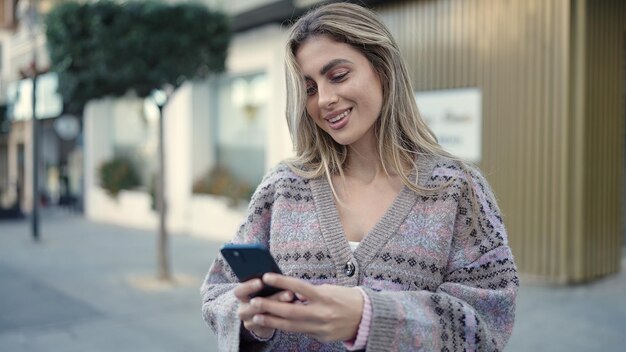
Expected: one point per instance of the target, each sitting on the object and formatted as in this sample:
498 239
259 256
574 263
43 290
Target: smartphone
251 261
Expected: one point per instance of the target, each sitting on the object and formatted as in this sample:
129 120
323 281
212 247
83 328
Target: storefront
544 119
59 166
548 128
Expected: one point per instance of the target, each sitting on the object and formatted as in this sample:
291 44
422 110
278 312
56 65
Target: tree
103 48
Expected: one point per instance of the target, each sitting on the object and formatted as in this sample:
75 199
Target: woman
388 242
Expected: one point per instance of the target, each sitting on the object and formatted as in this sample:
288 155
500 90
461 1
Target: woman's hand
246 311
328 312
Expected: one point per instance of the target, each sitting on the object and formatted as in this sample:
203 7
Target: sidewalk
86 287
589 317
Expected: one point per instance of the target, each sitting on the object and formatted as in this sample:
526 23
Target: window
229 146
135 135
241 127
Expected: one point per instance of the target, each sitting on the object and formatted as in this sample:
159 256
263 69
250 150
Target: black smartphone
251 261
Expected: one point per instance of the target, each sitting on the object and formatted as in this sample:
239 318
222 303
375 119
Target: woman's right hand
247 311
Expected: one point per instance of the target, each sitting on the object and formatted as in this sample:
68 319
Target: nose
327 96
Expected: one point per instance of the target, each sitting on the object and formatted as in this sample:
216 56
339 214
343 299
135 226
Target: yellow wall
597 248
555 169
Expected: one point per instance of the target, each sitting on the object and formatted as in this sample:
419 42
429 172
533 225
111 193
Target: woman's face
344 93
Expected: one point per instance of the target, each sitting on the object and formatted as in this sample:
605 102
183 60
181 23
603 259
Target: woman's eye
339 76
311 90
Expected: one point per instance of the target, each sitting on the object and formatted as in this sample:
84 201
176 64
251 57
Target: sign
67 127
455 117
20 98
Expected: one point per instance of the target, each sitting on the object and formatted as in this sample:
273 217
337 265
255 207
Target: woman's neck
364 162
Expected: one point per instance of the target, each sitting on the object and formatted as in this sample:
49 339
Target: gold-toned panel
552 132
604 110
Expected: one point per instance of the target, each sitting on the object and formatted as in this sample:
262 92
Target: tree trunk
162 245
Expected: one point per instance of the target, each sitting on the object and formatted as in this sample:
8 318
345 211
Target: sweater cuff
251 336
363 331
259 338
384 321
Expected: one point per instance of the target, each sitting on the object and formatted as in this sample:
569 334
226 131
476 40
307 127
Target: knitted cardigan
438 270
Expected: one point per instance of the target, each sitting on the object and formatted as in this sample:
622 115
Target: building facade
545 79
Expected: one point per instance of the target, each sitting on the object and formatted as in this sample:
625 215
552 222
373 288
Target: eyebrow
329 66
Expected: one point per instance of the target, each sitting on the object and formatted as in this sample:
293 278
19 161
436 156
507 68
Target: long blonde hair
401 132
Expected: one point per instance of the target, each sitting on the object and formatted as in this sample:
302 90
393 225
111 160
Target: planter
130 208
211 217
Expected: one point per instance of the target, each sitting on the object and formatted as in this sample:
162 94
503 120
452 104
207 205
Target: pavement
89 286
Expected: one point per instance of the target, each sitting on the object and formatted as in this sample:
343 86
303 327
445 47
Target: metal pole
32 18
164 272
35 211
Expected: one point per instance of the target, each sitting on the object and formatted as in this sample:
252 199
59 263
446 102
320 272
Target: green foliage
220 181
118 174
103 48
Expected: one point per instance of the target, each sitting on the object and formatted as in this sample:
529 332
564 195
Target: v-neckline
387 226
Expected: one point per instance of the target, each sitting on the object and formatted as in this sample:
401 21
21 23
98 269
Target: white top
353 245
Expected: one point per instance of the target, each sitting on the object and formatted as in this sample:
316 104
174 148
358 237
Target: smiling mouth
340 117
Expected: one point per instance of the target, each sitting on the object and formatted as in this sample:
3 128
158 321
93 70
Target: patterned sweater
435 281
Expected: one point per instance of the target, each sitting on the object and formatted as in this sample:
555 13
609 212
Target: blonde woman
386 241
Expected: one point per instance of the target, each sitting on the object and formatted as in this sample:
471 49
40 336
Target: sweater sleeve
473 309
363 331
219 304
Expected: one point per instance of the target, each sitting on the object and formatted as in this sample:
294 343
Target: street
90 287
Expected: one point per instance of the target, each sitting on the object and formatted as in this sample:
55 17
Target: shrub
220 181
118 174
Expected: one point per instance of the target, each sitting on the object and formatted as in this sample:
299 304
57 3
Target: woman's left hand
329 312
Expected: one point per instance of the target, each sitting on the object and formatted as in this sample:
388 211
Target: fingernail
268 277
254 301
258 284
286 296
257 319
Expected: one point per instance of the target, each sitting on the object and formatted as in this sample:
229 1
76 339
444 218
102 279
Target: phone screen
250 261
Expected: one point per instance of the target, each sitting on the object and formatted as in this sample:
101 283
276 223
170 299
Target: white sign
49 102
67 127
455 117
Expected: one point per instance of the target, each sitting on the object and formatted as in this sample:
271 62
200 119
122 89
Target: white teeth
339 117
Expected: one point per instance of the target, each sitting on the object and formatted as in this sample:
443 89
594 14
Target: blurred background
154 122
